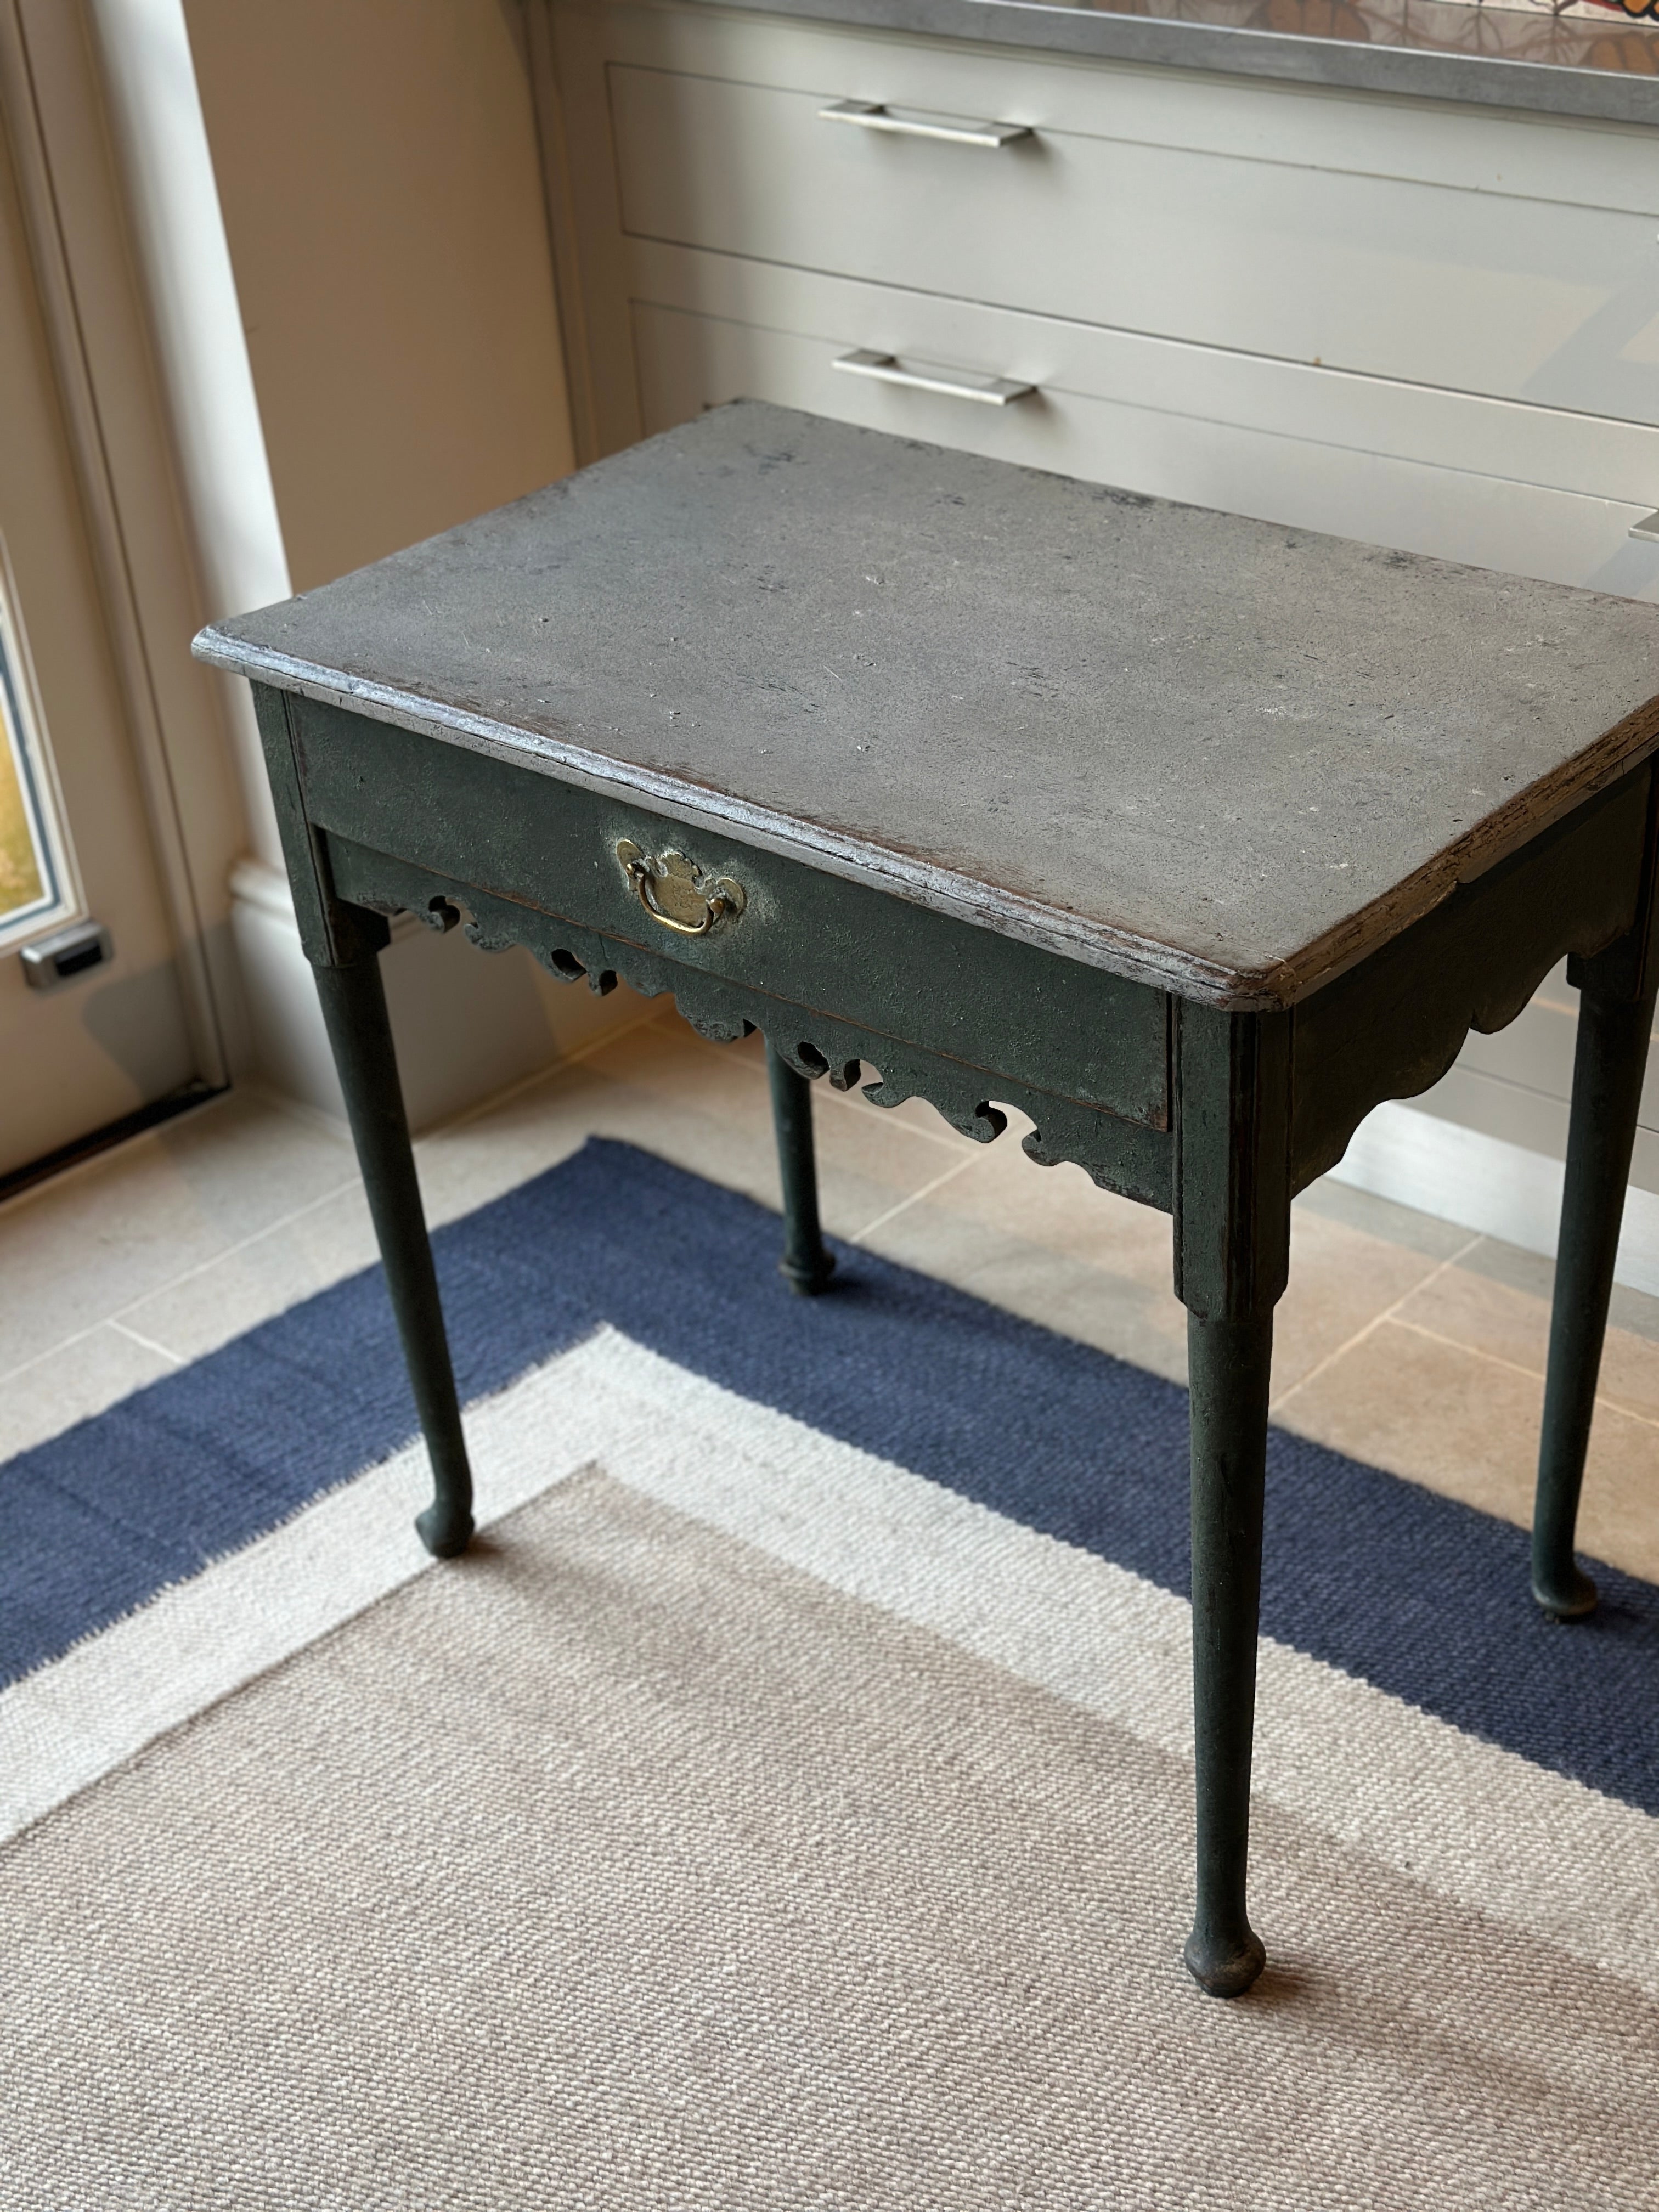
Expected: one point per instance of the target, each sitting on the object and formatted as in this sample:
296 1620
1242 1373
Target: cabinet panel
1395 464
1503 269
1315 127
1465 289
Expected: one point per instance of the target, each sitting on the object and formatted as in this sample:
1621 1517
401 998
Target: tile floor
1402 1341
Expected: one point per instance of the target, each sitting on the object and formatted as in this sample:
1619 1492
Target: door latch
66 954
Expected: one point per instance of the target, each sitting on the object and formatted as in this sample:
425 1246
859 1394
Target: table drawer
890 968
1473 287
1528 490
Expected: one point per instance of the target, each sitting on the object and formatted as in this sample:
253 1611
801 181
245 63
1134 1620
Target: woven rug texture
789 1801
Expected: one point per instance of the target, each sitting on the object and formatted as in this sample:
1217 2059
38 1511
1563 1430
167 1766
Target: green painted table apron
1192 837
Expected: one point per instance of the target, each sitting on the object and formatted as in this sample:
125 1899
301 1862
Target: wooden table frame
1218 1117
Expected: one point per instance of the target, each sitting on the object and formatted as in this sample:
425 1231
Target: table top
1224 756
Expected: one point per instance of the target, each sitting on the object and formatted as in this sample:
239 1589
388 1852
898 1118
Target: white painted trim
1482 1183
291 1043
150 79
56 134
256 884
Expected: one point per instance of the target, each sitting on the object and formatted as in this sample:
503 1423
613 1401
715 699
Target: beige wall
378 167
380 182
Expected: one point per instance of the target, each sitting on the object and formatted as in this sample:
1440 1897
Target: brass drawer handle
675 892
907 123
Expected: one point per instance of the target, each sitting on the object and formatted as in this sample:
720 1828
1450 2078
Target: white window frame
24 738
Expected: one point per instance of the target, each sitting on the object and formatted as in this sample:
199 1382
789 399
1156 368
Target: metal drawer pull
990 390
906 123
675 892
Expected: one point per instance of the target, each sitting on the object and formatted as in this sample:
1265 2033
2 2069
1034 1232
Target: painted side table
1192 837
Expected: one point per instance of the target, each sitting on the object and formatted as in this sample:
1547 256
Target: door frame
56 133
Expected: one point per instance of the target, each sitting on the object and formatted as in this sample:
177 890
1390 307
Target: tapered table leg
1232 1257
353 1008
806 1266
1607 1091
1229 1365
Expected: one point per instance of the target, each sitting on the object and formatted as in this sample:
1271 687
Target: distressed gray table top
1216 755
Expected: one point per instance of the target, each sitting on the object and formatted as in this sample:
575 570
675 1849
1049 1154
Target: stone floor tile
1045 1242
77 1249
704 1107
1381 1218
1636 1312
1105 1290
72 1383
1488 1316
208 1306
1467 1425
1342 1279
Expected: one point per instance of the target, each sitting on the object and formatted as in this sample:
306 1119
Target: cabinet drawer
1474 290
1528 155
1471 479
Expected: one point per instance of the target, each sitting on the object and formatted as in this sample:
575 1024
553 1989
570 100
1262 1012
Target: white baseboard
290 1045
1483 1183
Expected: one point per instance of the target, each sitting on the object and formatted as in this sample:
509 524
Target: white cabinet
1427 325
1431 470
1462 286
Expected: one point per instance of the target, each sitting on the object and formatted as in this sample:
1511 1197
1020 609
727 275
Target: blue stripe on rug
1425 1598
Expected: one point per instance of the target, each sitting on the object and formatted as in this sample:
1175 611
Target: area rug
787 1803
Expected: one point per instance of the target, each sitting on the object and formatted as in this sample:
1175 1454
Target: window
35 883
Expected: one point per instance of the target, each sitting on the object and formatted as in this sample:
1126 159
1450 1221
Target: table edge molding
1120 952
